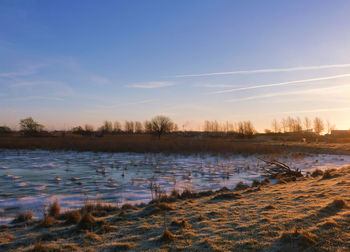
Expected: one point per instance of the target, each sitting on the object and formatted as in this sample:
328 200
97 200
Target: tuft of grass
175 193
48 221
98 209
167 236
180 223
255 183
269 207
127 206
227 196
23 217
187 194
106 228
6 237
241 186
92 237
40 247
54 209
329 173
266 181
296 239
120 246
86 221
164 206
72 217
338 204
316 173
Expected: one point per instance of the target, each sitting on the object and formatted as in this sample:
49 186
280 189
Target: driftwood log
274 168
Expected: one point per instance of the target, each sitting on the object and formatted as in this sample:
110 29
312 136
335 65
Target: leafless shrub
156 191
54 209
23 217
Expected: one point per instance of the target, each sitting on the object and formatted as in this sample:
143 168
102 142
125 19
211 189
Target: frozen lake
29 179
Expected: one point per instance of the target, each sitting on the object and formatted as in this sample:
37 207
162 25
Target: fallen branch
274 168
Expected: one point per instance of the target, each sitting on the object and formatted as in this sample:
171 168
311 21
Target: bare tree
275 126
297 125
284 124
318 125
330 127
117 127
129 126
138 127
30 127
246 128
307 123
161 125
147 125
107 127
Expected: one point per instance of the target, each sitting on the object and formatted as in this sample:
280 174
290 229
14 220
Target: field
310 214
144 143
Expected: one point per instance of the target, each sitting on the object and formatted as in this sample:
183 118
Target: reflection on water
28 179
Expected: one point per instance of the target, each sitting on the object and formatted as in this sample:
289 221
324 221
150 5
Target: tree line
294 125
160 125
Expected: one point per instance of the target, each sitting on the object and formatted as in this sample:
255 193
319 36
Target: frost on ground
309 214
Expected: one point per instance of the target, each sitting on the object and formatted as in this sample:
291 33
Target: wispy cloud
314 91
268 70
151 84
33 83
119 105
33 98
319 110
99 80
23 72
281 83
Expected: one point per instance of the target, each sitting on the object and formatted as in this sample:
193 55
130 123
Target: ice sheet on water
127 176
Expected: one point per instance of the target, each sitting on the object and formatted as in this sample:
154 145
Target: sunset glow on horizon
66 63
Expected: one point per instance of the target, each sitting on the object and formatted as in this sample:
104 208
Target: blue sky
74 62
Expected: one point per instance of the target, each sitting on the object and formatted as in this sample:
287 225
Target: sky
68 63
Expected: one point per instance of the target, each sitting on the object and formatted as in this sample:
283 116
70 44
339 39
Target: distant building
308 131
340 133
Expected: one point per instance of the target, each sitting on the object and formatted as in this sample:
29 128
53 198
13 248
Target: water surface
30 179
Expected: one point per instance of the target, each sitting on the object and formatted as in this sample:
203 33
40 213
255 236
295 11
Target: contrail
325 90
282 83
269 70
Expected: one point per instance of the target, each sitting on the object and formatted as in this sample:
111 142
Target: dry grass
23 217
86 221
48 221
140 144
54 209
167 236
6 237
317 173
296 240
72 217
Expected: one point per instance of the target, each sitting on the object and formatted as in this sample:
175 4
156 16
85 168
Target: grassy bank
169 144
312 214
